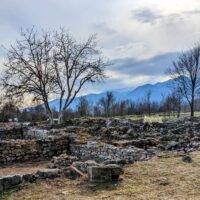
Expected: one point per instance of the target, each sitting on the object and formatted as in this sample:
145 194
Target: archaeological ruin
93 148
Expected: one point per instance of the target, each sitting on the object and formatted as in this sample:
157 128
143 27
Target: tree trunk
192 107
178 112
149 110
60 117
51 119
49 113
192 111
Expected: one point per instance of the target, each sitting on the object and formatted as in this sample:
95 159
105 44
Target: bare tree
172 103
75 65
97 111
107 103
186 73
51 63
83 107
28 69
148 101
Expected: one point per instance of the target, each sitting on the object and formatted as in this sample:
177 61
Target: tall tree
185 72
52 64
75 64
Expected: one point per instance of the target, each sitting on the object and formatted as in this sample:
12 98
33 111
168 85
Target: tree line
107 106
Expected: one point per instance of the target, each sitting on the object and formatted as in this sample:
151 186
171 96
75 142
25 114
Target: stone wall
26 132
14 181
11 133
12 151
31 133
105 152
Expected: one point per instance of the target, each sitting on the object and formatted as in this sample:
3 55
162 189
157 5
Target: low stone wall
105 152
11 133
10 182
12 151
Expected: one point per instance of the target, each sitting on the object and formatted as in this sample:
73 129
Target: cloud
130 72
192 12
104 28
153 15
146 15
130 49
156 65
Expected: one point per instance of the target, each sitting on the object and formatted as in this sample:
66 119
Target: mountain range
158 90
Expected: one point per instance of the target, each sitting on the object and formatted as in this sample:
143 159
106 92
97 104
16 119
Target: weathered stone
1 184
29 178
104 173
72 172
172 145
187 159
117 162
83 166
63 161
9 182
103 152
49 173
7 133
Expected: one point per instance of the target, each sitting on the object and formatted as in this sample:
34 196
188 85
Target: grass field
161 178
158 117
152 118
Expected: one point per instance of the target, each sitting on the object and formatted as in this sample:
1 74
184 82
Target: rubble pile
104 152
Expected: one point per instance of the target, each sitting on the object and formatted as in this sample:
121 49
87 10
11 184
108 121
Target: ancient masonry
40 144
103 152
128 142
28 144
12 151
16 145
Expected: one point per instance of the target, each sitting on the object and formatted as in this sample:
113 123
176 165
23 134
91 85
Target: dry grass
154 118
24 168
161 178
157 117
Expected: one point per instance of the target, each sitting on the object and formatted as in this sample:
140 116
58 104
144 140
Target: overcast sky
140 37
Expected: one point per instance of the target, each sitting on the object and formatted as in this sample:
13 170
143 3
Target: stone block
9 182
104 173
49 173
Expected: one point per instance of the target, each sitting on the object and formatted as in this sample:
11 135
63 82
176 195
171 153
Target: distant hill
157 92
